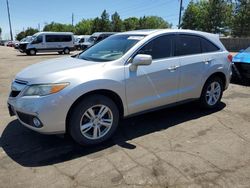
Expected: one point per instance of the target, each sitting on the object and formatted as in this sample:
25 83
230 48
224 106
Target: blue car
242 64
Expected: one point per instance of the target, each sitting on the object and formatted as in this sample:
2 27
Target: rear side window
158 48
58 38
208 46
188 45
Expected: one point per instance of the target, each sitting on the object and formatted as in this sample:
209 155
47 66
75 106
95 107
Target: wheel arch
108 93
221 75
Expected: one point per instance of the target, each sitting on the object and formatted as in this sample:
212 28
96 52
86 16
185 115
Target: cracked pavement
176 147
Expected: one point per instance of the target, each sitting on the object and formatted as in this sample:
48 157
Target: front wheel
66 51
93 120
212 93
31 52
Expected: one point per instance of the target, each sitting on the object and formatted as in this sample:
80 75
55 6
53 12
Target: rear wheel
212 93
93 120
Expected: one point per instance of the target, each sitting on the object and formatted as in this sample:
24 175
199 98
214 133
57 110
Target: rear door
156 84
192 65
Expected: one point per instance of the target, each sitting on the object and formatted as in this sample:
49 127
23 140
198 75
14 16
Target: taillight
230 58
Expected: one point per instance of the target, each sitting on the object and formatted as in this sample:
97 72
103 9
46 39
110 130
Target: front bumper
50 110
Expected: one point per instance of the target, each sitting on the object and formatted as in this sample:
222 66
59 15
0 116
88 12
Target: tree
116 22
153 22
58 27
212 16
0 33
131 23
104 22
84 27
190 17
28 32
96 26
241 21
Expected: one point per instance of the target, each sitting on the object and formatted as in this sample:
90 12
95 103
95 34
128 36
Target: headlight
44 89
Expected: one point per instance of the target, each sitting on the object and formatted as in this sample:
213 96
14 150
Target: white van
79 40
61 42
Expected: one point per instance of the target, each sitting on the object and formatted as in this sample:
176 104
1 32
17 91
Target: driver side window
158 48
39 39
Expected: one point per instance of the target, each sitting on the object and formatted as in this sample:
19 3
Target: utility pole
179 25
8 9
72 19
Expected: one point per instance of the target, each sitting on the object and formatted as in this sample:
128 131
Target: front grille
16 87
244 69
22 46
14 93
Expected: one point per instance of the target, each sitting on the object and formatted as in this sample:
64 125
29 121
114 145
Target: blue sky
31 13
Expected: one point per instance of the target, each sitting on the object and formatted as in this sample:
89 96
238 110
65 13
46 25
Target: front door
156 84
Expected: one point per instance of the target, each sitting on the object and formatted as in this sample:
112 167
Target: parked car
61 42
2 42
242 64
128 73
80 40
22 41
95 38
11 44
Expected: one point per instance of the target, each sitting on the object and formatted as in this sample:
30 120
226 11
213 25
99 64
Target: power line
8 10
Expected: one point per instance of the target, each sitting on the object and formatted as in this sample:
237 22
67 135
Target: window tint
58 38
81 40
160 47
208 46
187 45
38 39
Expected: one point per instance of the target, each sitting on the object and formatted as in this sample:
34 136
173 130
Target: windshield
247 50
111 48
92 39
30 39
23 40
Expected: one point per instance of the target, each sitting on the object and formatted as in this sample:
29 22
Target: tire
81 118
211 98
66 51
32 52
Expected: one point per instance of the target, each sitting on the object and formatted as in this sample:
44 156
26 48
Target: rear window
188 45
208 46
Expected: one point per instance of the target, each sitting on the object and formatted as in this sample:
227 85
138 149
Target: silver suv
123 75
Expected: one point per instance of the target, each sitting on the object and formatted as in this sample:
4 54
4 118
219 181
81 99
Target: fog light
36 122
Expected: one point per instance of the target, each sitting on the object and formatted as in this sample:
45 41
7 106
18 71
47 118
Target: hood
49 70
87 43
243 57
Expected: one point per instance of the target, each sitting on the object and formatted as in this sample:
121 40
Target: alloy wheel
213 93
96 122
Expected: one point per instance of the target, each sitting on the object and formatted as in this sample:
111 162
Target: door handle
173 68
208 61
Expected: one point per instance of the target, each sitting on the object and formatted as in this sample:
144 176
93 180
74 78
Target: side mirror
140 59
242 50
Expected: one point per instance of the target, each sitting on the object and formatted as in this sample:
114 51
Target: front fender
102 84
